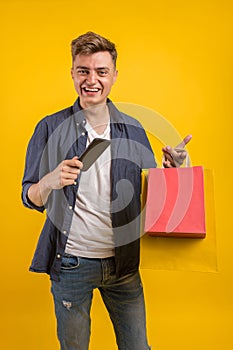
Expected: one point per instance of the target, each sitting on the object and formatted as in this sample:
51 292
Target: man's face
93 77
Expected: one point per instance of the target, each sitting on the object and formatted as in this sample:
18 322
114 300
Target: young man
90 238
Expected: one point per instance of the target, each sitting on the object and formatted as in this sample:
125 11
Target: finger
178 153
166 149
184 142
168 160
67 182
68 178
167 164
66 170
74 162
168 156
70 174
167 153
77 162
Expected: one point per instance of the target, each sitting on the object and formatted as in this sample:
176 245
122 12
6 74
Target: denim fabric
123 298
63 136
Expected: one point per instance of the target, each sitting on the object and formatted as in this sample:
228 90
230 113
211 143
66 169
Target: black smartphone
93 151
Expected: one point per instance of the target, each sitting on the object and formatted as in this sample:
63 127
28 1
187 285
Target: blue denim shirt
62 136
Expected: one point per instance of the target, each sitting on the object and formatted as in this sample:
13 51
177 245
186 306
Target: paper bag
175 202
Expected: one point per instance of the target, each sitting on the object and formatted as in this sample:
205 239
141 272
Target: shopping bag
175 202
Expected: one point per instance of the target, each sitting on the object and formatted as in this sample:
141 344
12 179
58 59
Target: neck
98 117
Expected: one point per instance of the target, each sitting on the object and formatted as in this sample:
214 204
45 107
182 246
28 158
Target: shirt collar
115 114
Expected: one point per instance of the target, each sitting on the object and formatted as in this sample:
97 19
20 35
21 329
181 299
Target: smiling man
93 77
91 236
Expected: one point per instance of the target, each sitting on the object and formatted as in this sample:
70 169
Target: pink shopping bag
175 202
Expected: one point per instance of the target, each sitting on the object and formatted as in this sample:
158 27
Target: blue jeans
123 298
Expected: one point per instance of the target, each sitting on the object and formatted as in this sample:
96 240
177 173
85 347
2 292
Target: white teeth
91 90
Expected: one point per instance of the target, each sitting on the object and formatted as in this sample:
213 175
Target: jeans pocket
69 262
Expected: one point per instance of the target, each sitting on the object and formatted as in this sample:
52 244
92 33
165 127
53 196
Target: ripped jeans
123 298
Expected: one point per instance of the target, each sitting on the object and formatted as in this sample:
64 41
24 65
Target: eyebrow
98 68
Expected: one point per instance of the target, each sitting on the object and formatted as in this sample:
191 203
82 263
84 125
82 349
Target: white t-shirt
91 232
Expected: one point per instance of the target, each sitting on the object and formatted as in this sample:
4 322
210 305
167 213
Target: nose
91 78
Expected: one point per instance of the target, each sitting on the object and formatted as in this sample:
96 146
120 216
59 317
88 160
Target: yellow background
175 57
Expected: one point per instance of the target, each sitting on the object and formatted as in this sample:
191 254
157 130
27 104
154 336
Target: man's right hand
63 175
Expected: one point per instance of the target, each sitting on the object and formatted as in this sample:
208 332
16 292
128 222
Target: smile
91 89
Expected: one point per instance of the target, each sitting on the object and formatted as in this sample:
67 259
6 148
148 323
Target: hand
174 157
65 174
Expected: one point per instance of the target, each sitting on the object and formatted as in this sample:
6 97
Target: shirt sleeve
34 153
147 155
145 152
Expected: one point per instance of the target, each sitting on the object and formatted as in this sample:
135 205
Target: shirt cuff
27 202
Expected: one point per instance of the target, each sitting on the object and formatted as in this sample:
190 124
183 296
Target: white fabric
91 233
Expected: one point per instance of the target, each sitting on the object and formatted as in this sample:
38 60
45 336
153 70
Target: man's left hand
174 157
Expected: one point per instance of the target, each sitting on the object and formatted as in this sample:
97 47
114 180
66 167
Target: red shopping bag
175 202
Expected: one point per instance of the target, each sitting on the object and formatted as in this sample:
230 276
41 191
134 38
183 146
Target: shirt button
75 183
70 207
65 232
83 133
58 256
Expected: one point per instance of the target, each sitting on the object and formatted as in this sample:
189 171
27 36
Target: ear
115 76
72 73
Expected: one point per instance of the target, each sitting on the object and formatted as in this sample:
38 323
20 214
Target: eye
82 71
102 72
